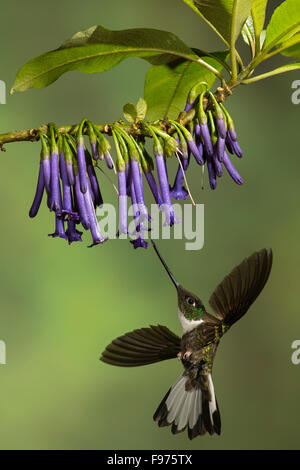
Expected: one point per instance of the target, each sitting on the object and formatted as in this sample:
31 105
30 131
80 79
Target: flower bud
231 170
93 140
38 194
98 200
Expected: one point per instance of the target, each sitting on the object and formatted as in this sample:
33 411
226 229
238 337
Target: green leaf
217 13
167 86
240 12
141 109
248 30
130 112
226 17
284 23
255 23
262 38
291 47
98 49
258 13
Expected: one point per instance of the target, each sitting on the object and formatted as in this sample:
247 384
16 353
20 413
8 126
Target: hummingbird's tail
190 405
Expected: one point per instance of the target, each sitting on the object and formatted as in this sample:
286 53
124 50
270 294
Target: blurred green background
61 305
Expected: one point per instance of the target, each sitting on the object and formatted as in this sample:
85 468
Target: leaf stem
271 73
211 69
233 63
202 53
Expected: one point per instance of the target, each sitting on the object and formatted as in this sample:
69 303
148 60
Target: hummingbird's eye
191 301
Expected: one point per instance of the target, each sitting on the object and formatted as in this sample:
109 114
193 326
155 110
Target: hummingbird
191 402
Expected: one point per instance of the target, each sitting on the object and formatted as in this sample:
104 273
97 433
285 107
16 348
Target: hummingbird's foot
187 354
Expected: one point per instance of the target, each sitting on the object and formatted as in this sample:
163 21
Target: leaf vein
92 56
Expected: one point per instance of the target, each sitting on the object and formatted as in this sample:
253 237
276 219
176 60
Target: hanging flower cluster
67 175
67 167
214 134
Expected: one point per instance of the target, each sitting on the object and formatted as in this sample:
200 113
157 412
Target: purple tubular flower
200 150
82 165
84 218
217 164
38 194
142 187
221 127
123 221
94 226
45 160
237 149
98 200
139 242
188 106
73 234
70 173
139 223
195 151
59 229
211 172
94 150
154 188
232 132
93 140
220 149
178 191
231 170
233 146
164 188
138 188
197 133
133 198
47 173
67 209
108 160
206 139
229 144
69 161
91 194
55 196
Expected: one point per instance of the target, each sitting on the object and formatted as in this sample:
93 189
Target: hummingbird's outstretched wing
232 298
141 347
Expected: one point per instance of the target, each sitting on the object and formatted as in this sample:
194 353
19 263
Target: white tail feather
195 409
212 403
185 406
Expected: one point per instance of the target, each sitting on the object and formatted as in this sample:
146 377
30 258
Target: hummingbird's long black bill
176 284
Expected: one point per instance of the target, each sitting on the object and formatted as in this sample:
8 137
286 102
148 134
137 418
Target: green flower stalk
104 149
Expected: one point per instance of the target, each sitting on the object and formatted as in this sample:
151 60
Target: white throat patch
188 325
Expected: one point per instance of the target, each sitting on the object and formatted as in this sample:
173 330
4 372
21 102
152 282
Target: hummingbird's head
189 305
